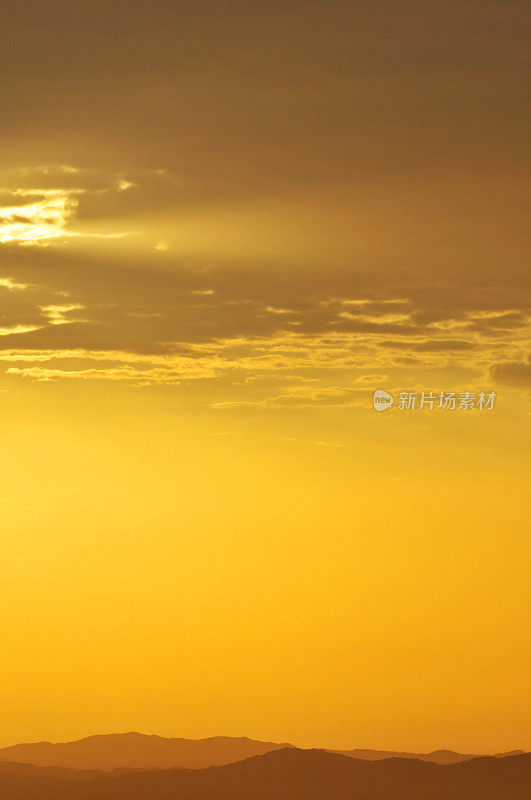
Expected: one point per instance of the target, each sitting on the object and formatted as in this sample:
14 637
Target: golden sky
222 227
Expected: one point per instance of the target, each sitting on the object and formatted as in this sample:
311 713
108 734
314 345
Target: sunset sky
222 227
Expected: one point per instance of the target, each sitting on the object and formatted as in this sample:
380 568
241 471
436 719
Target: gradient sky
222 226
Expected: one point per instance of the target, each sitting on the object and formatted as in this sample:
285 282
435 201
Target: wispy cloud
18 329
56 314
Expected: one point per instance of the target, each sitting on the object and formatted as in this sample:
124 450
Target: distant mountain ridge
436 757
287 774
140 751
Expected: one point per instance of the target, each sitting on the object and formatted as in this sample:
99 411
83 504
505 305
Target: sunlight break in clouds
39 215
39 221
9 283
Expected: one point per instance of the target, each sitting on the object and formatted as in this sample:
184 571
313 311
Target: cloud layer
283 193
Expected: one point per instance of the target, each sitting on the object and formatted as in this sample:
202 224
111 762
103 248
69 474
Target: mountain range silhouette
139 751
277 772
286 774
